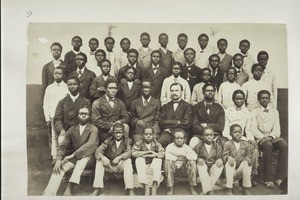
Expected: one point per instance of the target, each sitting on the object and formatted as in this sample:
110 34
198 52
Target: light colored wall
269 37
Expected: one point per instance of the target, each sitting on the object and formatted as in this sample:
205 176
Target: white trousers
54 140
141 168
56 179
208 178
124 167
244 170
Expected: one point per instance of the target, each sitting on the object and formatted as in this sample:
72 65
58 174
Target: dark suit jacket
166 60
86 80
140 147
225 63
217 80
109 149
239 155
128 95
215 118
103 115
81 145
149 114
66 114
98 82
47 74
209 157
169 119
70 62
193 76
139 72
156 79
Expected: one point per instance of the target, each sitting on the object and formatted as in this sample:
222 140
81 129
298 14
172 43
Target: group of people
194 114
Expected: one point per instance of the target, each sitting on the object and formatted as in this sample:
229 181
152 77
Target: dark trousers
268 147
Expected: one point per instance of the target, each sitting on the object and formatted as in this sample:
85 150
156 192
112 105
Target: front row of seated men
206 156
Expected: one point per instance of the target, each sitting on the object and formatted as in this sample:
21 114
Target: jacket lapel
121 147
85 134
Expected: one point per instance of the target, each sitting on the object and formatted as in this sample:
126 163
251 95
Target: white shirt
91 60
56 63
81 129
164 49
269 77
155 68
148 146
104 77
132 65
202 56
175 105
143 99
178 56
221 55
251 88
118 143
166 93
225 93
208 147
130 84
53 94
73 97
81 70
247 64
111 103
145 49
237 145
240 116
111 56
122 60
76 52
265 110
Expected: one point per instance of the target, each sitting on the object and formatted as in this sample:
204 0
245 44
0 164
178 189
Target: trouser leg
170 167
229 171
267 148
281 172
204 178
128 174
99 175
141 170
79 167
215 173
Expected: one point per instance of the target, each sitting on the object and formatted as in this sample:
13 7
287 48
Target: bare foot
154 188
68 191
131 192
147 190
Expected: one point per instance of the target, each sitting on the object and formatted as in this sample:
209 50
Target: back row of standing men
151 79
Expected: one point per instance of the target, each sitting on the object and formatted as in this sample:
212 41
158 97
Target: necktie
145 103
266 110
208 106
79 73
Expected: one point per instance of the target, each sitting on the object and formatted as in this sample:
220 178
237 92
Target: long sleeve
65 146
163 97
170 153
275 133
97 118
46 105
161 151
248 132
44 78
94 93
254 127
190 154
128 152
133 114
136 152
219 125
88 148
124 117
187 93
58 117
99 153
226 151
226 132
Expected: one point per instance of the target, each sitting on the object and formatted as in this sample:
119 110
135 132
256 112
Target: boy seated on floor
74 152
209 162
237 155
149 154
113 156
180 161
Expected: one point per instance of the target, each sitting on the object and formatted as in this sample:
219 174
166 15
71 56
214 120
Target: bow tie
266 110
202 51
155 68
175 102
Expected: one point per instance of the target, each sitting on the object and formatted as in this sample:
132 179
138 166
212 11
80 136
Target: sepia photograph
150 99
157 109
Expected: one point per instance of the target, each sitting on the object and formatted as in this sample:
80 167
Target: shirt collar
74 97
108 99
58 84
155 67
205 103
238 109
262 108
164 49
82 70
76 52
132 65
143 99
203 50
188 65
145 49
245 55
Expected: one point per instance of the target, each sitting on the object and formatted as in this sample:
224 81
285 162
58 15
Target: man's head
56 50
206 75
176 91
84 114
148 134
203 40
257 70
132 56
76 43
100 55
238 60
176 69
105 66
145 39
73 85
125 44
163 40
130 73
222 45
58 74
209 91
208 135
109 43
262 58
93 44
80 60
111 88
182 40
231 74
155 57
236 132
214 61
263 98
146 88
189 55
118 131
238 98
244 46
179 137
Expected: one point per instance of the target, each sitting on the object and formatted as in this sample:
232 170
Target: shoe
269 184
229 191
245 191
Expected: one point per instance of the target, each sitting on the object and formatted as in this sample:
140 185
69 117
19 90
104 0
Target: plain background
269 37
16 16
